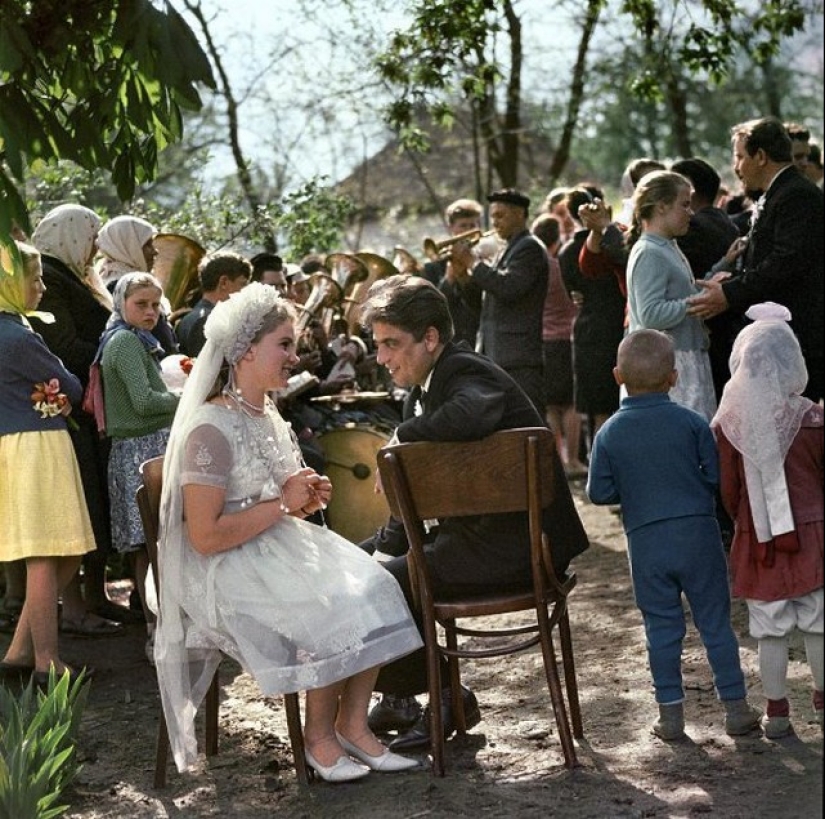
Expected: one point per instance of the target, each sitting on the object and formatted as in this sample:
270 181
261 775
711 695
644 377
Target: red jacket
767 571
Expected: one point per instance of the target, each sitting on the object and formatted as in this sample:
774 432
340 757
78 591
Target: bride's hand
306 492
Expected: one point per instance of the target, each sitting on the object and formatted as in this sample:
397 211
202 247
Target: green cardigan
136 399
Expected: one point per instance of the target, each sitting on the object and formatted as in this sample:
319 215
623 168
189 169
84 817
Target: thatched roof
400 184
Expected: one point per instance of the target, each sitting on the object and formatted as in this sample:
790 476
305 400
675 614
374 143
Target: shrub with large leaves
100 83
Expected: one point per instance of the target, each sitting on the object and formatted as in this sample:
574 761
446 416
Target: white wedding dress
297 606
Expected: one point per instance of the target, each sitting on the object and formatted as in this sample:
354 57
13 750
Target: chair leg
554 684
459 717
161 753
434 678
296 737
211 715
570 680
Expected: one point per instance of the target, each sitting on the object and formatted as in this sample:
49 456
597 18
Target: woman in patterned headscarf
81 305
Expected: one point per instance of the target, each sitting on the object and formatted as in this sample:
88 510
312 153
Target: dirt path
509 766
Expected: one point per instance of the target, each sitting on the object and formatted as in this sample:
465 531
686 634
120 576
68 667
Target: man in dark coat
784 254
515 286
455 395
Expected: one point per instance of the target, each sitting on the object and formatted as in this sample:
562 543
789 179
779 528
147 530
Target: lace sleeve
207 458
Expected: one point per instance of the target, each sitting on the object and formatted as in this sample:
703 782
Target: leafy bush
37 751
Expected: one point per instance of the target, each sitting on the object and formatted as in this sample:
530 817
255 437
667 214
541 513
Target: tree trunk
677 100
562 153
225 90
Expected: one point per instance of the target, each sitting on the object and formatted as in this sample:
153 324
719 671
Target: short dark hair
261 262
313 263
767 134
231 265
815 155
547 228
575 198
641 166
410 303
702 176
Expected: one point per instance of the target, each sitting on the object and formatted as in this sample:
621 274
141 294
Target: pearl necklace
246 407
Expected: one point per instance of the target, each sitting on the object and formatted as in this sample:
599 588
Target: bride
299 607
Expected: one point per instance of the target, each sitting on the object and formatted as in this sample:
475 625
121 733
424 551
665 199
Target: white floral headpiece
234 322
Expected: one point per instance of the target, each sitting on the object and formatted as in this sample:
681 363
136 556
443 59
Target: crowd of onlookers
549 300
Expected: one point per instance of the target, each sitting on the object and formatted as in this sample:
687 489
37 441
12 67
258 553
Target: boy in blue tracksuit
658 460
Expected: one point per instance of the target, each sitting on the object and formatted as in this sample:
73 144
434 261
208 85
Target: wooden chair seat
510 471
148 500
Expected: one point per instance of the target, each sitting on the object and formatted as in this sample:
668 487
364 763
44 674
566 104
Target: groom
455 395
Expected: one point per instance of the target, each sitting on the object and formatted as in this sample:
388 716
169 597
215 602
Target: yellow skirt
42 505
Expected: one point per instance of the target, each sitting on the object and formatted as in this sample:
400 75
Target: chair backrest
509 471
490 476
148 501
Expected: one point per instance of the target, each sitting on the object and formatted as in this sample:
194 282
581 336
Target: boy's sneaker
740 717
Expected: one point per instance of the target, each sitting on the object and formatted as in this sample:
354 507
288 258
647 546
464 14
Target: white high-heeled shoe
344 769
388 762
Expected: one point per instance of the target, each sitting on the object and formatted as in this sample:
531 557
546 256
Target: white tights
773 663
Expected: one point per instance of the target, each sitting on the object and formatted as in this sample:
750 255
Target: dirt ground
508 766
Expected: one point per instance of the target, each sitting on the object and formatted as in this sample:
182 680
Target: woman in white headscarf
242 572
81 305
771 463
126 245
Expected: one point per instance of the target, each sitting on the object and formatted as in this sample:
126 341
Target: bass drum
355 511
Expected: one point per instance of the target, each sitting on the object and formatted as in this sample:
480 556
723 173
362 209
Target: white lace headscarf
68 233
121 242
184 672
761 411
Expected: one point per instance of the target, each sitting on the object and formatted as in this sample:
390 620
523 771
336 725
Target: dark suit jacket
514 292
189 329
709 236
469 398
785 261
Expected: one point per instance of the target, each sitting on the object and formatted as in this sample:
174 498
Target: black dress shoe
419 735
393 713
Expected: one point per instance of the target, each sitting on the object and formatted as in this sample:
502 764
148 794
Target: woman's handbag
93 398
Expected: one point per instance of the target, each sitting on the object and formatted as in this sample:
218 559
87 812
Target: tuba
176 266
378 268
350 271
325 297
405 261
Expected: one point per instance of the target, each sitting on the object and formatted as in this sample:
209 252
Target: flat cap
510 196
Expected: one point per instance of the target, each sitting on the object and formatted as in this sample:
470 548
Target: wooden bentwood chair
148 500
510 471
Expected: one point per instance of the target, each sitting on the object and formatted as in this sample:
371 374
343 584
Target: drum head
355 512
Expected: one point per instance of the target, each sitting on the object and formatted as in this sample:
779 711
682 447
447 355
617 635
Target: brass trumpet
434 250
